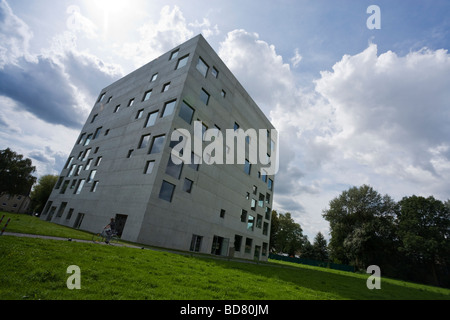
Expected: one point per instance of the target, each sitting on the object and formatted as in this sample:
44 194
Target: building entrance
220 246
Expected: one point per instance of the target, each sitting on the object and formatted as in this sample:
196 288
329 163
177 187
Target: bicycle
102 237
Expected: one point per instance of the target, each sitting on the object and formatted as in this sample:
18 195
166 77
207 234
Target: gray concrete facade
213 208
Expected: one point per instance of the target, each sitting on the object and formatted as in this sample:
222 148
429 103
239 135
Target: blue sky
353 106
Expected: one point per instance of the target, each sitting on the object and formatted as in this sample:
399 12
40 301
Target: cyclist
110 230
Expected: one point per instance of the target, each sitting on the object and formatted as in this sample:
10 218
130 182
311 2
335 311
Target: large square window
186 112
158 144
182 62
144 141
151 119
168 108
202 67
167 190
173 169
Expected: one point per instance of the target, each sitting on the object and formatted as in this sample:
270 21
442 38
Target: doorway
220 246
121 220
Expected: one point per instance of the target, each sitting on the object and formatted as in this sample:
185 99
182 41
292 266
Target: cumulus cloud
392 114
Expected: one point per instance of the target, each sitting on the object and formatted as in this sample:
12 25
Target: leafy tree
424 232
361 224
15 173
287 234
41 192
274 226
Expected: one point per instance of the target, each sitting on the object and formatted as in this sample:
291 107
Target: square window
101 97
202 67
130 153
222 213
253 205
117 108
80 186
215 72
168 108
173 169
236 126
195 161
223 93
188 185
97 133
259 220
131 102
270 184
244 215
149 167
248 245
144 141
151 119
92 176
158 144
147 95
204 96
196 243
247 167
261 200
88 140
186 112
174 54
237 242
166 87
94 186
154 77
167 190
182 62
139 114
265 229
109 99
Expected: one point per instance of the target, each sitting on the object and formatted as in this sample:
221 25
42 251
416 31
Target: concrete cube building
138 159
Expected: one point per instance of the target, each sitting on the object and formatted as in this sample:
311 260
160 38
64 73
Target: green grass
37 269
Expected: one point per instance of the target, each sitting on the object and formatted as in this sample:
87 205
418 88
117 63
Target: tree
320 249
287 234
41 192
15 173
424 232
362 226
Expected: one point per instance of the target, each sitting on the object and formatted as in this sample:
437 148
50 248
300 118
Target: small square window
188 185
253 205
166 87
174 54
182 62
149 167
247 167
131 102
147 95
224 94
94 186
139 114
154 77
97 133
92 176
117 108
215 72
204 96
101 97
222 213
130 153
169 108
109 99
167 190
270 184
94 118
202 67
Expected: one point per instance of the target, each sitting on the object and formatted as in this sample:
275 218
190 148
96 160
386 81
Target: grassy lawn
37 269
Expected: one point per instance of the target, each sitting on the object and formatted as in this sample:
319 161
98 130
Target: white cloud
296 59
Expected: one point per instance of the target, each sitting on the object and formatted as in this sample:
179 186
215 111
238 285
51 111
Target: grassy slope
36 269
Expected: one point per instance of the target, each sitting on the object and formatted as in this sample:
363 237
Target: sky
353 104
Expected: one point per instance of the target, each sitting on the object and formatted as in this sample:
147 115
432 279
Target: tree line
408 239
